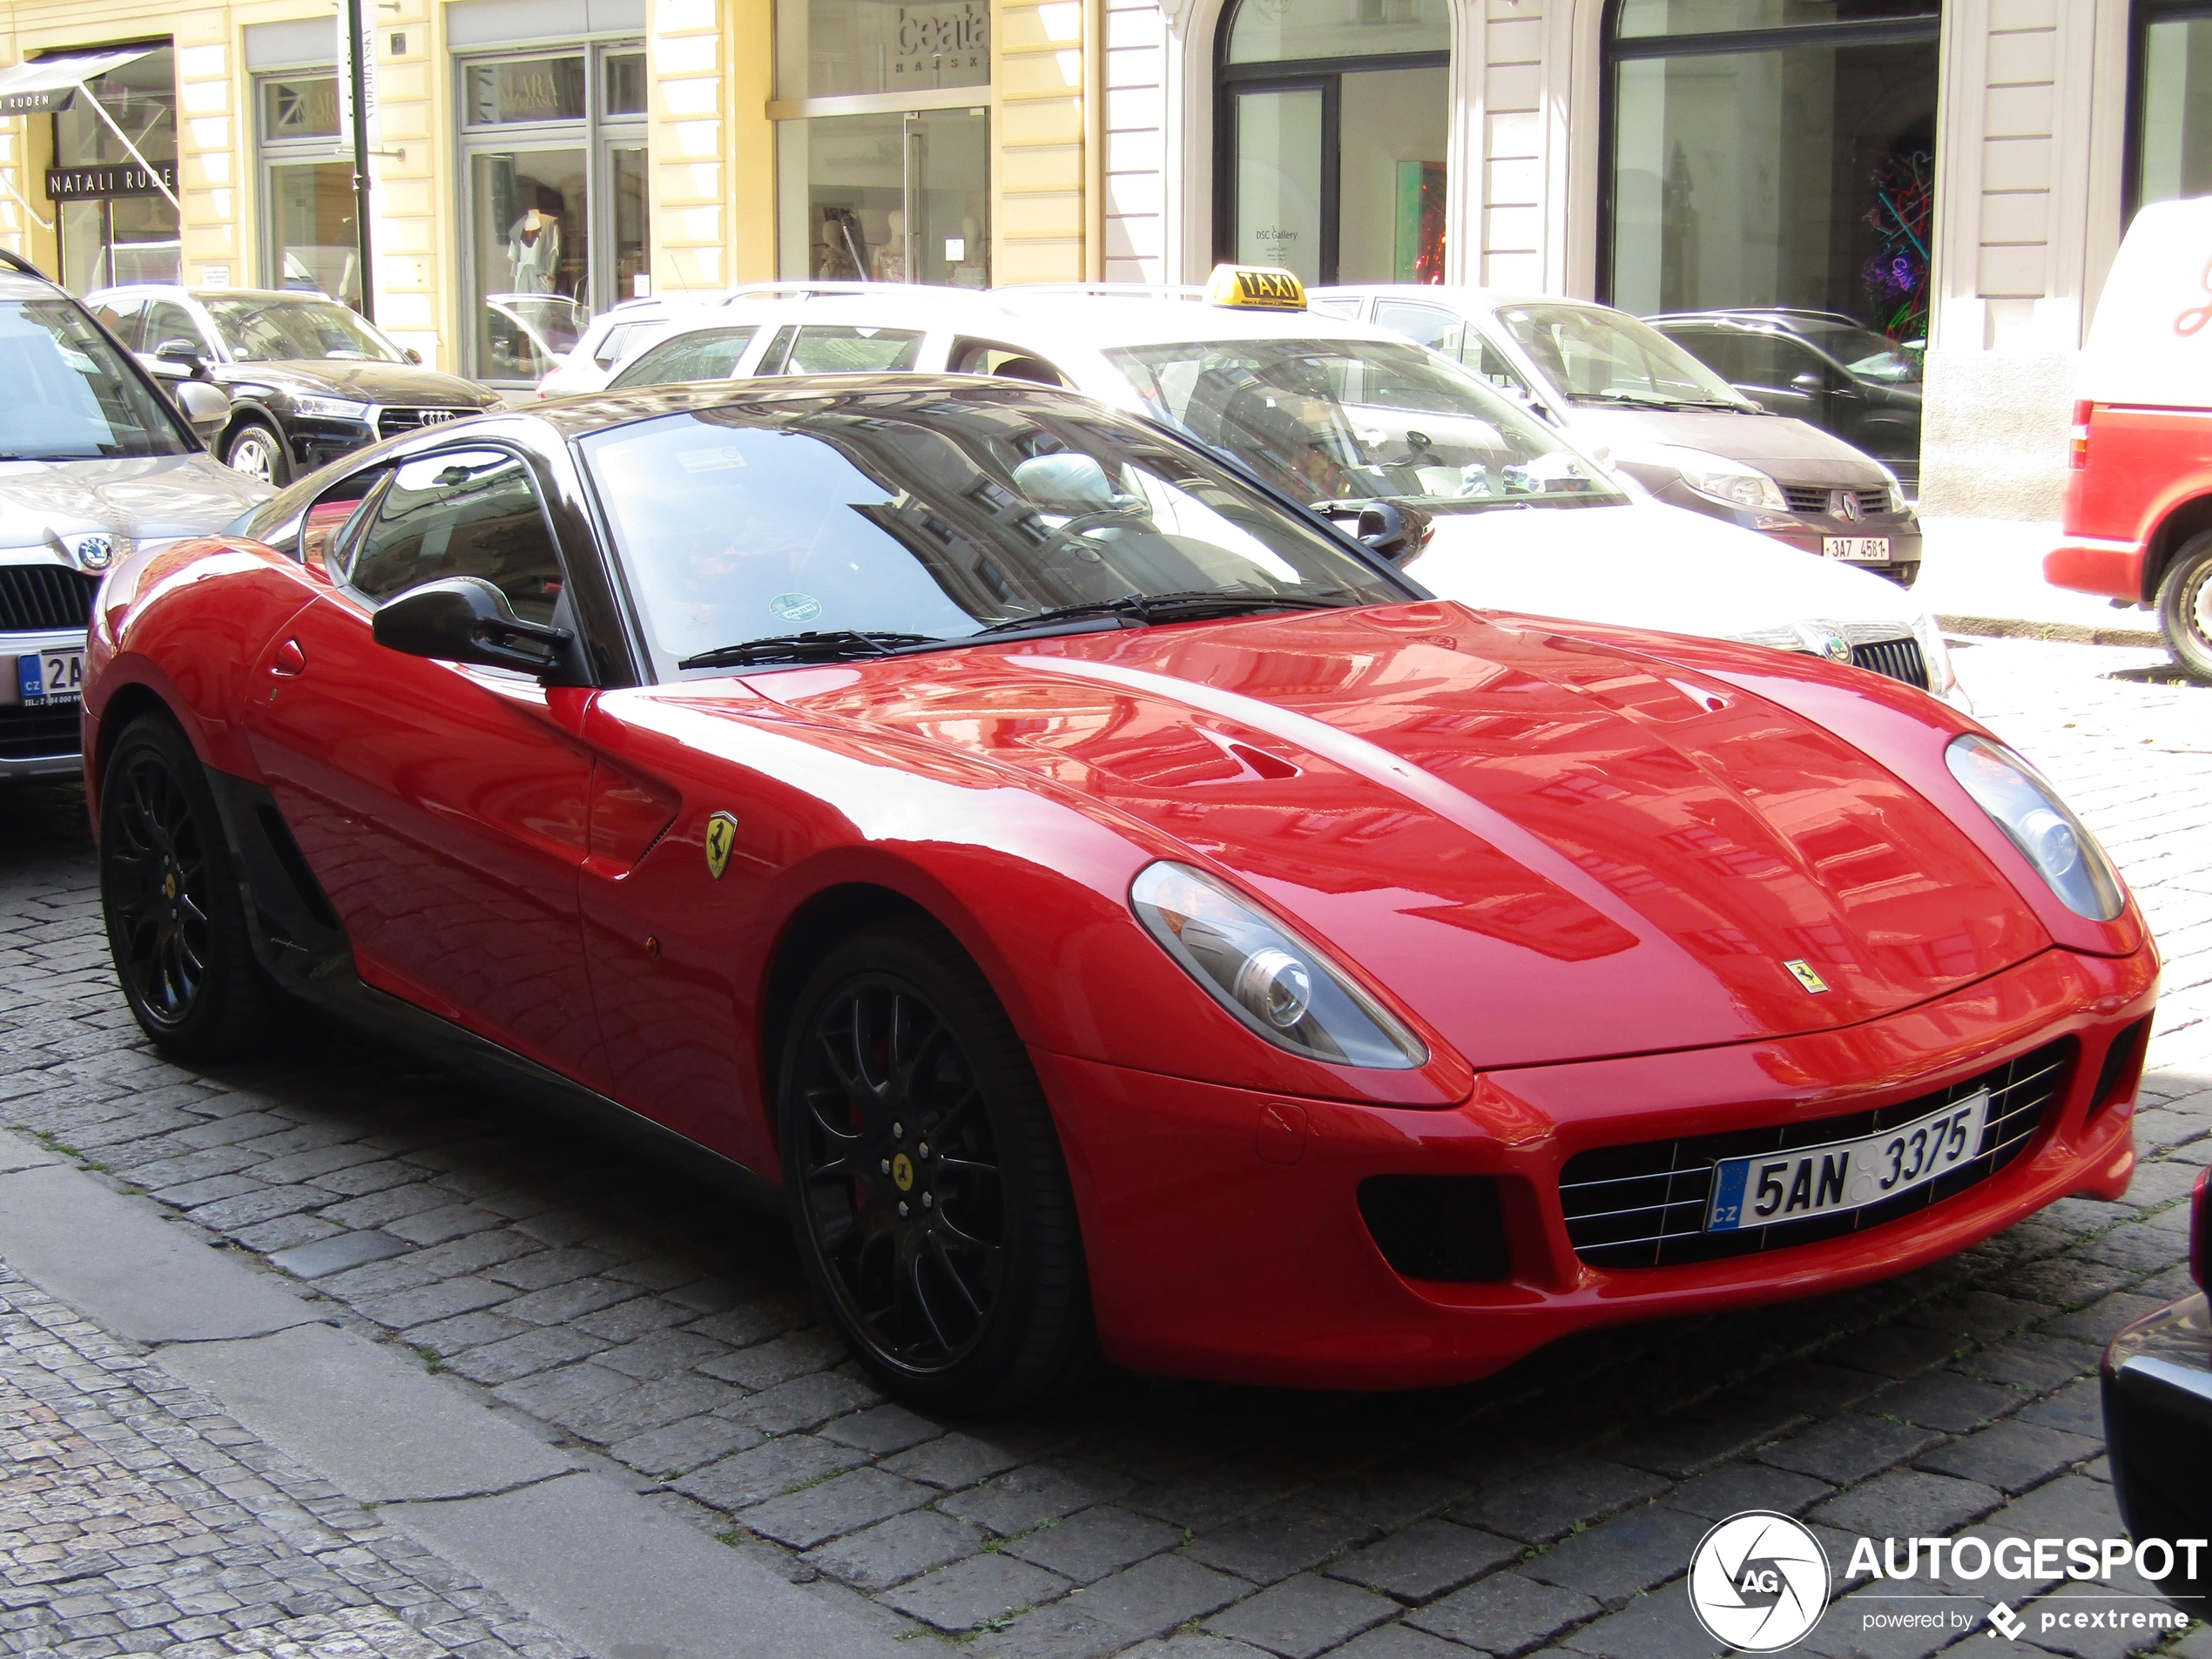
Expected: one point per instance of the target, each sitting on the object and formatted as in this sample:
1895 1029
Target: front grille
1899 659
1644 1205
42 598
391 422
29 734
1814 498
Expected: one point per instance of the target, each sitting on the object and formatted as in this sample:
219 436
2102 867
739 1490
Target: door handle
289 660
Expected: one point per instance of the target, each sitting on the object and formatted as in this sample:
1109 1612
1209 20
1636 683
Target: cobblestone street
617 1306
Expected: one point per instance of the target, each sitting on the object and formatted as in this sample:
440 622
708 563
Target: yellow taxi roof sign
1256 287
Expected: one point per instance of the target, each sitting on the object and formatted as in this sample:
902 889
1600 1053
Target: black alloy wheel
924 1179
2185 609
176 920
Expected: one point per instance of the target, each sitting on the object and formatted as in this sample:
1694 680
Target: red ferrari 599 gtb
1118 911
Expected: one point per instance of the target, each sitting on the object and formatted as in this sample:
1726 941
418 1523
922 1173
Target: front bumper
2093 564
42 742
1225 1236
2158 1429
1809 532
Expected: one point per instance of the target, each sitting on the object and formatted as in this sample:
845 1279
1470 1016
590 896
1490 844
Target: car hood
150 499
1789 450
1647 565
368 383
1547 846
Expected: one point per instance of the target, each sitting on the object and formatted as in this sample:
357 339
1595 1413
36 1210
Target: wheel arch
2181 523
127 704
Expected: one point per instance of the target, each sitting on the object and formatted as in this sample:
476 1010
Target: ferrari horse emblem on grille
721 836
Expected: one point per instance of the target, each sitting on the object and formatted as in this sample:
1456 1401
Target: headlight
1267 976
2035 820
331 408
1725 480
1941 679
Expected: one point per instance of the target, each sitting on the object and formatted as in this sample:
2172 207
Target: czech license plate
1856 549
49 677
1845 1175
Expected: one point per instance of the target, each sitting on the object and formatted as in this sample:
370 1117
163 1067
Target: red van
2138 523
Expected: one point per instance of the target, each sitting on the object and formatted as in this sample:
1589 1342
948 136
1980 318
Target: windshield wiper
1145 608
1658 400
836 645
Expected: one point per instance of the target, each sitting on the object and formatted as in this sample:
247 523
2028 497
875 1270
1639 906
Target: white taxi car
1355 422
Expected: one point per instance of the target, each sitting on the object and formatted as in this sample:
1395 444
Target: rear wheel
176 920
2185 608
925 1181
257 451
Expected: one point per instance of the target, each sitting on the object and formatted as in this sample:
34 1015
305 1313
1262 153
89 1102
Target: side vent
2123 1066
1445 1227
295 865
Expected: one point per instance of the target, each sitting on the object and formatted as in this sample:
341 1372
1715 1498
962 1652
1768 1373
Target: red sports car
1119 912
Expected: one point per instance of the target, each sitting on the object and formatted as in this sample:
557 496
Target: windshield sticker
795 607
709 460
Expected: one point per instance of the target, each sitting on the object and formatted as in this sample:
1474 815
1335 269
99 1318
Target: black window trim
2142 14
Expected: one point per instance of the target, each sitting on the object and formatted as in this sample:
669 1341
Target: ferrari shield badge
1802 972
721 836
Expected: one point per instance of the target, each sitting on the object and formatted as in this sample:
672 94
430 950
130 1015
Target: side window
458 512
1344 306
1794 360
989 357
123 318
322 527
1722 352
609 350
1430 325
167 321
704 354
827 348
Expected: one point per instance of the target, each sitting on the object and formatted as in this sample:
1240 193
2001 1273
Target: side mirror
1811 380
208 408
1070 482
465 619
1395 529
181 353
410 353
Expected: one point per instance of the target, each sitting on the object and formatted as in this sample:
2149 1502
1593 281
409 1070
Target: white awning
45 85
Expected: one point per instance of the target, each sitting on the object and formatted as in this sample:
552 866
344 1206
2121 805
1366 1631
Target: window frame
2142 14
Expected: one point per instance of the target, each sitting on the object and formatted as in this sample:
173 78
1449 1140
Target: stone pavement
641 1319
136 1519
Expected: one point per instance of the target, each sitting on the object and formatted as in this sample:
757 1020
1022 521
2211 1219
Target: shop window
312 243
1766 153
553 145
115 224
897 189
2173 91
1334 123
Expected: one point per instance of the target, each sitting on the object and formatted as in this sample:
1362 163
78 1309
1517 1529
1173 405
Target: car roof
1464 293
17 285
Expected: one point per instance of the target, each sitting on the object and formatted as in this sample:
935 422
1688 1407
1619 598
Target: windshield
1333 421
69 397
1870 355
257 330
1595 355
933 519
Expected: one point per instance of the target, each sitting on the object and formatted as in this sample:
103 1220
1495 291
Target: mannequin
534 252
890 260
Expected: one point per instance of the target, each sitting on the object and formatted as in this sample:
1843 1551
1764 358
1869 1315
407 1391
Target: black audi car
308 379
2158 1421
1822 366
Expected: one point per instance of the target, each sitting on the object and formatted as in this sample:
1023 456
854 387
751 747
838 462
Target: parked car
309 380
1346 417
527 335
2158 1420
1115 907
1827 369
1621 388
2138 513
618 334
96 463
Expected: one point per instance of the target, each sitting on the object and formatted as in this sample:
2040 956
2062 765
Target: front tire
257 450
176 918
924 1179
2185 608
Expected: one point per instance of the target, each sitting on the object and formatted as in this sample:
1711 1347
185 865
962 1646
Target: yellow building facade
534 161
